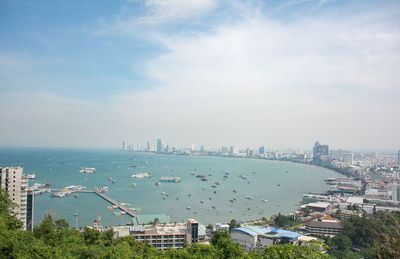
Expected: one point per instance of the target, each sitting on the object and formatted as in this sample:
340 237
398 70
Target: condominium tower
15 183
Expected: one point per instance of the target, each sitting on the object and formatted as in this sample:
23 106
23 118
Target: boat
76 195
31 176
214 192
104 189
278 185
113 181
141 175
249 197
264 200
164 193
234 191
170 179
134 185
218 183
188 208
204 179
157 183
213 207
213 186
47 184
200 176
122 212
117 213
87 170
201 202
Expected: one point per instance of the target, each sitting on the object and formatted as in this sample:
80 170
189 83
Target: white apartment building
15 183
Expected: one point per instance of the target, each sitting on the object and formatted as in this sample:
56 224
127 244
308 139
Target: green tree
233 224
228 248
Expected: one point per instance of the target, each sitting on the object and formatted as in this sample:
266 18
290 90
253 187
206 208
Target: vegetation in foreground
53 239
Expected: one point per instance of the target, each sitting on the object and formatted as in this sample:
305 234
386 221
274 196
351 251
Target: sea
254 189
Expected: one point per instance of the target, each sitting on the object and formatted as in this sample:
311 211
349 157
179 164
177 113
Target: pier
113 202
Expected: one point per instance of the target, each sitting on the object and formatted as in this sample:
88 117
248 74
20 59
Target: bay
281 183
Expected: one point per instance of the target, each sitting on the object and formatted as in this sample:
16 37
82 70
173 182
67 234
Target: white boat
141 175
170 179
87 170
264 200
249 197
31 176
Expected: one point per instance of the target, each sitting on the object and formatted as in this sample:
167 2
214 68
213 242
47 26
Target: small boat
189 195
87 170
76 195
122 212
134 185
278 185
210 198
264 200
157 183
201 202
218 183
188 208
213 207
47 184
204 179
234 191
249 197
113 181
213 186
214 192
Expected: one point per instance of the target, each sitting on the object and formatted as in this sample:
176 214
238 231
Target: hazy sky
248 73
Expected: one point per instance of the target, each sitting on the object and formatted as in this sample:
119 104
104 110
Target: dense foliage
375 236
378 236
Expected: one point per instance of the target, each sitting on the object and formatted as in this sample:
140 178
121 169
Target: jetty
115 203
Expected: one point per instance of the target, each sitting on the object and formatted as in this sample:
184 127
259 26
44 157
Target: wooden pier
115 203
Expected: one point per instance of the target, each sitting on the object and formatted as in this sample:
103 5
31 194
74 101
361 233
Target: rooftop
270 232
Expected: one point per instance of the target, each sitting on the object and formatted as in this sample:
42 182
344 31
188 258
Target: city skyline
213 73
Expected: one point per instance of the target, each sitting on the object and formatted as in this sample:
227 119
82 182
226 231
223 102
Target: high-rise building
261 150
124 145
15 183
398 157
320 152
202 149
148 146
160 146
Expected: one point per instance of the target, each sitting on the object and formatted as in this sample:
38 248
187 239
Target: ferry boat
87 170
170 179
141 175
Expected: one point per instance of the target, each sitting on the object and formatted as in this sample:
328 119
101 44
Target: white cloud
259 81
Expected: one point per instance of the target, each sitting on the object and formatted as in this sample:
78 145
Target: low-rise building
162 236
254 237
324 226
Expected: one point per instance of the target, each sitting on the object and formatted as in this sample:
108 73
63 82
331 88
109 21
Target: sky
282 74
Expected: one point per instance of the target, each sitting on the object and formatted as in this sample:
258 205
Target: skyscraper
261 150
148 146
16 185
398 157
124 145
320 152
160 146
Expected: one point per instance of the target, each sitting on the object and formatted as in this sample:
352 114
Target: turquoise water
281 183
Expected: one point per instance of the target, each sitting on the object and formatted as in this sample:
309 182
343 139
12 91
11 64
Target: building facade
163 236
320 152
15 183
